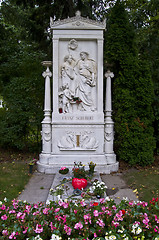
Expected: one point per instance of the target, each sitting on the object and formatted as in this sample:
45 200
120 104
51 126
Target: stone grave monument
75 126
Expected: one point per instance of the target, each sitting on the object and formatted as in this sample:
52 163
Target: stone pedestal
76 128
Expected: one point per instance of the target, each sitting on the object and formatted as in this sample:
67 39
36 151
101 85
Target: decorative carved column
46 123
109 124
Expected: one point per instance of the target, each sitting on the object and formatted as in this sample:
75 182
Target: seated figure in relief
68 75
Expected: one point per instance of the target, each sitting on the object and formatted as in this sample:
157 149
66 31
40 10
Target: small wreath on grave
63 170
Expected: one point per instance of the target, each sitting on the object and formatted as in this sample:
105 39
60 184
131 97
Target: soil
7 155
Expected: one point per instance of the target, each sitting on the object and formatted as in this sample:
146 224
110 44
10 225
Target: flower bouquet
79 170
98 188
32 162
91 167
63 170
79 180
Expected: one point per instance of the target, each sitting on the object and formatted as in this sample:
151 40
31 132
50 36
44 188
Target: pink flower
101 223
115 224
19 214
109 213
83 203
67 229
12 211
101 200
57 210
63 204
95 213
46 210
63 168
156 229
12 236
156 219
25 231
114 207
38 229
78 225
27 207
103 208
5 232
36 206
52 226
95 235
3 207
75 211
87 218
36 213
4 217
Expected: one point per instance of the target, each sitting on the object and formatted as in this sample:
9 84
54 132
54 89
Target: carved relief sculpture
81 141
78 78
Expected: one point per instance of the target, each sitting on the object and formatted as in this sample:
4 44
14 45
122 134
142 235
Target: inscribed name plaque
73 128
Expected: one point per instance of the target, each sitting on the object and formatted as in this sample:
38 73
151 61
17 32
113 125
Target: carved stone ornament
73 44
78 23
46 135
109 134
77 19
76 141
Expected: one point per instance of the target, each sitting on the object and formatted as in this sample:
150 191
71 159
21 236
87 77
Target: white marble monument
75 127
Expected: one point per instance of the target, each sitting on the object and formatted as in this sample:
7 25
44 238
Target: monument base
105 163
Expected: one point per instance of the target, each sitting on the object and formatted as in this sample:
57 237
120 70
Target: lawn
14 174
144 181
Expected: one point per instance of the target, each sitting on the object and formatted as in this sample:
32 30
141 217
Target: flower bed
79 220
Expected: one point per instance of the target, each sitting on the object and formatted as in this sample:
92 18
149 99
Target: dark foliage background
131 45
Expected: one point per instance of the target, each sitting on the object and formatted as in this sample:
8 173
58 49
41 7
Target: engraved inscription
77 118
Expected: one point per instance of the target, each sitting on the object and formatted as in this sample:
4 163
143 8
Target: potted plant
98 188
31 165
91 167
58 191
63 170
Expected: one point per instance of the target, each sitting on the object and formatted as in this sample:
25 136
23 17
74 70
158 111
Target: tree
132 91
22 85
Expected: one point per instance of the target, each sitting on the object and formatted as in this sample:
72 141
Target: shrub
132 91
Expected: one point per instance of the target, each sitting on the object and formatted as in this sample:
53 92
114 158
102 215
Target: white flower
55 237
138 231
112 237
107 199
125 199
38 238
5 199
1 203
48 202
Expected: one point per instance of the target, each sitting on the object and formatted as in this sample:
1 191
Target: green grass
144 182
13 178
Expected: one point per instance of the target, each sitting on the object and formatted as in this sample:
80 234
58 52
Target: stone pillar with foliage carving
46 123
109 124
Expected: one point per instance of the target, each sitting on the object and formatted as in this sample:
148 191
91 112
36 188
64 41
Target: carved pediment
77 22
